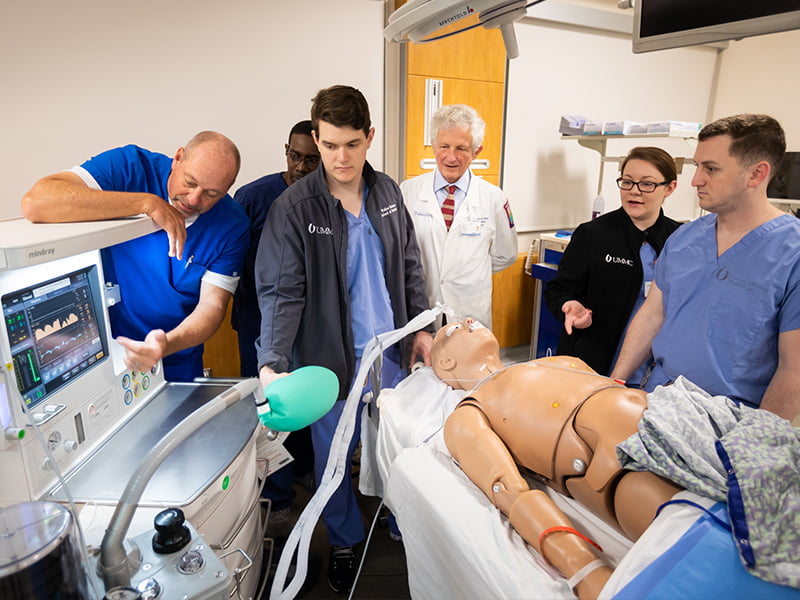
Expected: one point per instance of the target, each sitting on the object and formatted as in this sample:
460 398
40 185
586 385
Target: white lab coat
459 264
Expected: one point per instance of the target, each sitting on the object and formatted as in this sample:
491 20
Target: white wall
760 75
570 70
84 76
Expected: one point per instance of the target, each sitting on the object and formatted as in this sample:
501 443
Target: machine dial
54 440
191 562
122 593
150 589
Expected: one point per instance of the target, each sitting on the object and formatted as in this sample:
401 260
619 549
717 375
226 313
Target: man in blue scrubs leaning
337 264
724 308
175 284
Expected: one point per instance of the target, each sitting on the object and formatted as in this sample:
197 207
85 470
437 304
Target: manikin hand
575 315
142 356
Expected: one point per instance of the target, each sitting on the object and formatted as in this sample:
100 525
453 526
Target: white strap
573 581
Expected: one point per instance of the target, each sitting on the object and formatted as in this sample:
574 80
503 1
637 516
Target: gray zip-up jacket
301 274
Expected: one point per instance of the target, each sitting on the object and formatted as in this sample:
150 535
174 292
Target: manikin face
720 180
453 152
343 151
643 207
200 179
302 157
459 348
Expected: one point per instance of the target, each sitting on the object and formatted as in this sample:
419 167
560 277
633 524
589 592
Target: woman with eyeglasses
606 270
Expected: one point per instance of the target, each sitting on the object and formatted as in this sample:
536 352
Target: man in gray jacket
337 264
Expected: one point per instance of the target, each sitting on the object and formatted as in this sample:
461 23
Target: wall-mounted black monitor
785 184
56 331
662 24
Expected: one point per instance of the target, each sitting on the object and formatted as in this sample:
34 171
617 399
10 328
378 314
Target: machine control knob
150 589
122 593
13 434
47 465
70 445
171 533
191 562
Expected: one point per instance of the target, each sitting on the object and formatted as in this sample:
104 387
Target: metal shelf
599 143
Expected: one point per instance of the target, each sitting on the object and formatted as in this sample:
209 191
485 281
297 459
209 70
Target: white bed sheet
458 545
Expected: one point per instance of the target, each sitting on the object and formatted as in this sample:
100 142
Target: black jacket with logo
601 268
301 274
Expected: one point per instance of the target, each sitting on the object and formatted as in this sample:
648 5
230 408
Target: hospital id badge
471 228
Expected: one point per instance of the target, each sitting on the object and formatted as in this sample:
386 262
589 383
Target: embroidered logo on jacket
617 260
319 229
388 210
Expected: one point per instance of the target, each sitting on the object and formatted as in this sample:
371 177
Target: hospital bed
458 545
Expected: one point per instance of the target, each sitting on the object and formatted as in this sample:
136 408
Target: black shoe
342 568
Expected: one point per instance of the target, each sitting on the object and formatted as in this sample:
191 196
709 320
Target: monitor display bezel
721 29
58 382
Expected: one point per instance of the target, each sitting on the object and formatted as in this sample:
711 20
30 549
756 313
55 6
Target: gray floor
384 575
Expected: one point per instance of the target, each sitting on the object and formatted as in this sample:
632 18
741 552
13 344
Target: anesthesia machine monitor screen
56 331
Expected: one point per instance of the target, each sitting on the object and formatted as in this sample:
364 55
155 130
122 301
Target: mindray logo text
465 12
319 229
41 252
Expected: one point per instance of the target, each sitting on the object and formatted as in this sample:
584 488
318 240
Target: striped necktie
449 206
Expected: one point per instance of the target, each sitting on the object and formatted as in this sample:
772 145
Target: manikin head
464 353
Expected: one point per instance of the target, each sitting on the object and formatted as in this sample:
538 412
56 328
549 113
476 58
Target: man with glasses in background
302 158
256 198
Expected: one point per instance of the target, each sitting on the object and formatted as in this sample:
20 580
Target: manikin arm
487 462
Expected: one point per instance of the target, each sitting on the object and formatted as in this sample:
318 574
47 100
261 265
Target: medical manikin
558 421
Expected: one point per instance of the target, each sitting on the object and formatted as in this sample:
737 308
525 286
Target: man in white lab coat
464 224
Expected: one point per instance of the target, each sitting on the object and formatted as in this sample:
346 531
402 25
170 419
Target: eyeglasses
645 187
311 160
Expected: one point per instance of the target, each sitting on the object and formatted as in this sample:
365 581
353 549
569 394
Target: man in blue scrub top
724 308
337 264
175 283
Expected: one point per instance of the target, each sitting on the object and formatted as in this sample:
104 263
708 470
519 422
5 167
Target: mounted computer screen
56 331
785 184
662 24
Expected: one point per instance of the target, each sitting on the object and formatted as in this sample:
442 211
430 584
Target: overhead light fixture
417 19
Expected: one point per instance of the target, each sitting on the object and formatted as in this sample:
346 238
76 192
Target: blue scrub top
157 291
647 255
723 314
370 305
